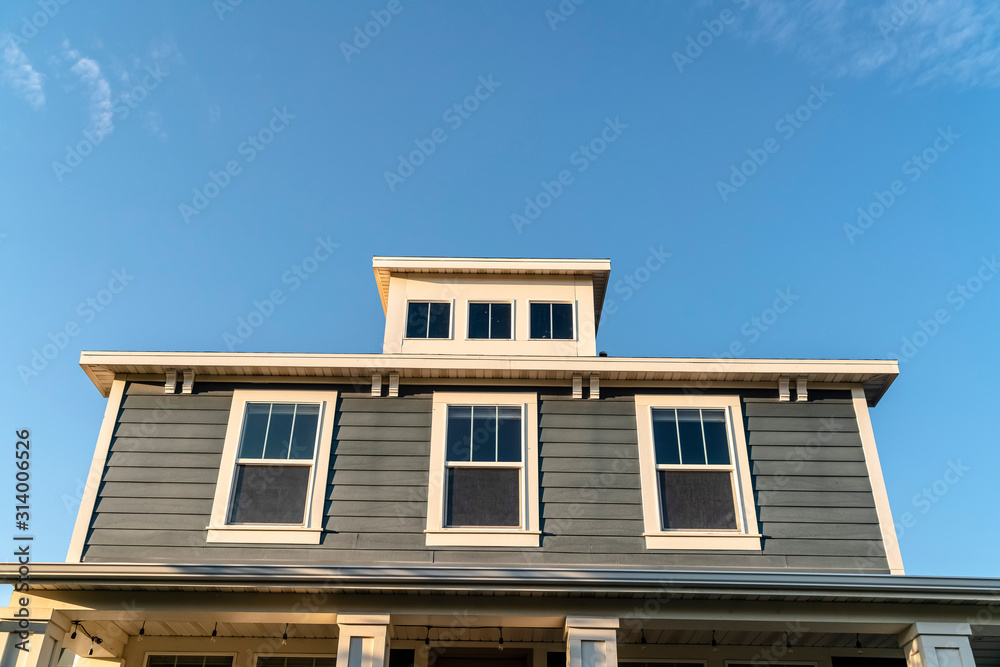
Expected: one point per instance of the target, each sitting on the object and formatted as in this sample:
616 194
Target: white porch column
362 641
43 643
591 641
937 645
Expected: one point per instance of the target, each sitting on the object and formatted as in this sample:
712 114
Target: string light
142 631
284 635
500 646
715 644
427 636
73 636
215 631
857 643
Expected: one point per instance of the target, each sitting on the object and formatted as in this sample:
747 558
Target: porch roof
511 581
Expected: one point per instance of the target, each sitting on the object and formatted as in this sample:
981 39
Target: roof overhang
102 367
598 269
755 585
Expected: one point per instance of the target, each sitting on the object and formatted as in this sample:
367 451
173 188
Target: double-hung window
694 473
484 470
551 321
490 320
428 319
274 467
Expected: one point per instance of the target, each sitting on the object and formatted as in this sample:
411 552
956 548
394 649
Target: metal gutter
252 577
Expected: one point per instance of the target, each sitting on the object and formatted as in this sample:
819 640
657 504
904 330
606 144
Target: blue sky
164 165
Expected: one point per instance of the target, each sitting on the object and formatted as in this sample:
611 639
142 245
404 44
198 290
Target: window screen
490 320
428 319
697 500
269 494
483 497
551 320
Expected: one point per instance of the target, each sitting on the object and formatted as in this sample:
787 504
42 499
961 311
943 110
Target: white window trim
468 320
747 536
529 533
451 318
312 527
576 325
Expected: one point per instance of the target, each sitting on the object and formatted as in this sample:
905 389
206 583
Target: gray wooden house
489 490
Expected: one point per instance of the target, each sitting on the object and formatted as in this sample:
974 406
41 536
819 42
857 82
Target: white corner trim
311 530
747 537
529 533
467 537
885 522
89 499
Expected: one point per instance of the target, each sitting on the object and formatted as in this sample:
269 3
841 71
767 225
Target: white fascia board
262 364
490 264
250 361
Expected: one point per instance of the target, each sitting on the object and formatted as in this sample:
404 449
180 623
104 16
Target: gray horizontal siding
812 493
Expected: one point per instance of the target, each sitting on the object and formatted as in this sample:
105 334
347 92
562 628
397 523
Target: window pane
459 432
483 497
190 660
304 433
541 320
509 433
716 440
692 445
279 431
484 433
697 500
665 436
269 494
562 320
218 660
416 320
440 320
161 660
479 320
254 428
500 321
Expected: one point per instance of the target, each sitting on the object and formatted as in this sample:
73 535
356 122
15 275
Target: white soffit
102 367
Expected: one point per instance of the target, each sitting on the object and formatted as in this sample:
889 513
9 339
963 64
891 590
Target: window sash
508 334
427 320
496 433
267 429
536 306
704 439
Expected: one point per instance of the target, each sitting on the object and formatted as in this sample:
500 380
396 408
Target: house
489 490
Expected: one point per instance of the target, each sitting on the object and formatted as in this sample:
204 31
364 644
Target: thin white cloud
18 73
89 72
916 42
152 122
